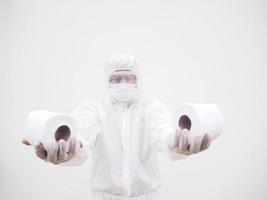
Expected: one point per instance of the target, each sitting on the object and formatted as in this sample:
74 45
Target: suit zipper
125 153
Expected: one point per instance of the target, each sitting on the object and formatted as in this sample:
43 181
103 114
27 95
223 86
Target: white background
52 55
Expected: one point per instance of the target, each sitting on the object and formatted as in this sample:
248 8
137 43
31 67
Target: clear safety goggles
122 76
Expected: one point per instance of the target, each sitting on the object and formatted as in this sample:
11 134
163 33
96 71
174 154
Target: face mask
122 92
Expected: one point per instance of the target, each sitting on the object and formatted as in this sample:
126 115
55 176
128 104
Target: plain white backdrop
52 55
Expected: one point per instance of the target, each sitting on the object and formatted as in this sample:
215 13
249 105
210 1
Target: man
124 136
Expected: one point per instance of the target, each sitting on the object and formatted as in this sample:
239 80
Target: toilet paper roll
200 119
46 127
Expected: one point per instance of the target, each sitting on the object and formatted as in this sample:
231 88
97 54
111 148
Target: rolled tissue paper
46 127
200 119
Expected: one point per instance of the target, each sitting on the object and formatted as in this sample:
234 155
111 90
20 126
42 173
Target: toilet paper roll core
185 122
63 132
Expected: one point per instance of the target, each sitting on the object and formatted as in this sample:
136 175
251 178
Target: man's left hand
197 144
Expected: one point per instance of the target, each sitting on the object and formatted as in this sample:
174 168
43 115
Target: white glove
180 142
57 152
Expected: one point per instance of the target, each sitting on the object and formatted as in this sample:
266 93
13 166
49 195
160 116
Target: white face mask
123 92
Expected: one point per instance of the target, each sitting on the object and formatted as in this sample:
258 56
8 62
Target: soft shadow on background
52 55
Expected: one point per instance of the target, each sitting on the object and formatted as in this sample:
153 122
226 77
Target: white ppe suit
124 138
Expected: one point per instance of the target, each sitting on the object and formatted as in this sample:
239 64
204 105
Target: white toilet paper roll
45 127
200 119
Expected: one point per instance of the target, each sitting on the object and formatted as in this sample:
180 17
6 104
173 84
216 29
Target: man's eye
112 81
132 77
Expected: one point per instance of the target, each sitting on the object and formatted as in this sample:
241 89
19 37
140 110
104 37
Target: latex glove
56 152
181 144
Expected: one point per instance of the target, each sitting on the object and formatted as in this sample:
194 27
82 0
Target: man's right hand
56 152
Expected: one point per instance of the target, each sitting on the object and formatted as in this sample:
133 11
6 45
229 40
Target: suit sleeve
88 129
160 128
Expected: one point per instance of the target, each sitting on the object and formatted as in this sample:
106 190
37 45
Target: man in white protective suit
123 136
